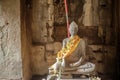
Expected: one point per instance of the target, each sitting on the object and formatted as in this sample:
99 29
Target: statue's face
72 30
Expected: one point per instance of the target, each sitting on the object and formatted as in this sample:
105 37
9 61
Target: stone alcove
45 34
19 36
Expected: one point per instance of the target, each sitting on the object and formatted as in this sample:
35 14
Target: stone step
76 79
68 77
76 72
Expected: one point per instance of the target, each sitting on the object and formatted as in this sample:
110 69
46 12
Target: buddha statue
73 53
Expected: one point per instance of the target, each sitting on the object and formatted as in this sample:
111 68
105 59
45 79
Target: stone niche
75 9
49 29
74 13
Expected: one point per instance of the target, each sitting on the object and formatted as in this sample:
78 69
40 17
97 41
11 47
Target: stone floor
76 79
39 77
44 77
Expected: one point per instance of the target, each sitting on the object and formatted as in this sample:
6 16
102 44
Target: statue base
68 77
76 79
71 74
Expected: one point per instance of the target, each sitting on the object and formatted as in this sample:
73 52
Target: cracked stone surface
10 45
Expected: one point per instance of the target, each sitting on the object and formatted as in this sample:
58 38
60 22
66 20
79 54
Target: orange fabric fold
70 47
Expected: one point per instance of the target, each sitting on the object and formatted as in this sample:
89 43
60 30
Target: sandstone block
50 47
39 66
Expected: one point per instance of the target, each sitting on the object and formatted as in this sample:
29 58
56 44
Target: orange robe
70 47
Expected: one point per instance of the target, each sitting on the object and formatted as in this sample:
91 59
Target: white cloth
88 67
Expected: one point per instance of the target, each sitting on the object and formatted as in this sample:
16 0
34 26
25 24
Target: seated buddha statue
73 53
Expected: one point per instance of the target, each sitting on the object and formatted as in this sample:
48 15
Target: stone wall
39 20
43 56
26 41
41 30
10 40
116 23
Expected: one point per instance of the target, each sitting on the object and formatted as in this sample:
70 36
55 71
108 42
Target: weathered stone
95 12
50 1
40 18
38 52
39 66
60 32
42 12
50 47
91 33
59 12
88 13
105 58
10 44
50 32
57 47
51 22
51 12
95 47
50 56
100 68
98 57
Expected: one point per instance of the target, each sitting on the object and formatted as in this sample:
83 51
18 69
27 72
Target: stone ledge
76 79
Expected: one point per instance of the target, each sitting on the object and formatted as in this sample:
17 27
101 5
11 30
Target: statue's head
73 29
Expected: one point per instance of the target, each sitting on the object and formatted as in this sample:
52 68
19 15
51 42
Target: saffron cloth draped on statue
70 47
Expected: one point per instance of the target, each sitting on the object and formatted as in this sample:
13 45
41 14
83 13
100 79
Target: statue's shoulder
66 40
83 41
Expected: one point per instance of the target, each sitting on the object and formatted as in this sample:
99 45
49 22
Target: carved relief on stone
3 37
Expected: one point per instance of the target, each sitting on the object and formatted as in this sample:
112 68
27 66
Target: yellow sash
70 47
